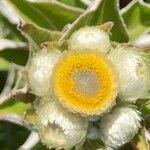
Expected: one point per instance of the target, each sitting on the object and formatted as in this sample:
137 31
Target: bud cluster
91 79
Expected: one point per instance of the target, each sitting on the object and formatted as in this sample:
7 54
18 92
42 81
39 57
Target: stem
5 97
32 140
23 90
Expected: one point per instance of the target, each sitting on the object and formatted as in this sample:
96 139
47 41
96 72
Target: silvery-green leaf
12 135
47 14
8 23
31 141
97 13
13 111
11 106
136 17
36 35
77 3
8 84
4 64
16 52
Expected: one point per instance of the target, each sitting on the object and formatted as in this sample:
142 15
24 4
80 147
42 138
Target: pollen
85 82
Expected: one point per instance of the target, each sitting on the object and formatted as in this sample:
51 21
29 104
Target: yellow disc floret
85 82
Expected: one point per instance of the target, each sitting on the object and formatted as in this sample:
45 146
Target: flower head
85 82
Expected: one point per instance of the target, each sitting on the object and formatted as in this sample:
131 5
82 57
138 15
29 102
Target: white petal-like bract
40 70
120 126
133 73
58 128
92 38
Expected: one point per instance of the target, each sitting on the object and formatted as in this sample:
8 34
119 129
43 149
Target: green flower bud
133 72
119 126
40 70
92 38
58 128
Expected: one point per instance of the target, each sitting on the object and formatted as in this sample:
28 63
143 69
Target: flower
40 70
120 126
58 128
92 38
133 72
85 82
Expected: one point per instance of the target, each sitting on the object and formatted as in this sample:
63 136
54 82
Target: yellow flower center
85 82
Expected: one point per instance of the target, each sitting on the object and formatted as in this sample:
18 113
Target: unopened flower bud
92 38
58 128
133 72
40 70
120 126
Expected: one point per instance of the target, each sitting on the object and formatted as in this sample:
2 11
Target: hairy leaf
16 52
4 65
9 30
47 14
36 35
12 135
8 23
77 3
137 18
98 14
11 106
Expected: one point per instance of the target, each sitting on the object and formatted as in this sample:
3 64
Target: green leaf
40 146
14 112
146 109
9 30
77 3
47 14
9 83
16 52
108 10
36 35
137 18
8 23
12 106
101 11
12 135
4 65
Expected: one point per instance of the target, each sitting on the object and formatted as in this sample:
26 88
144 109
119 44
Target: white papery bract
133 72
40 70
92 38
58 128
120 126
